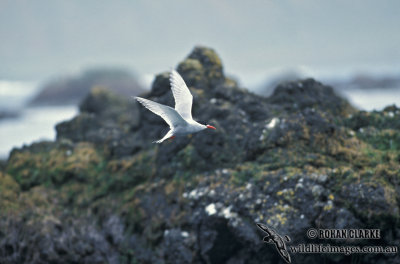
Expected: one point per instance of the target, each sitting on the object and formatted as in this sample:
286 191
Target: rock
302 158
160 84
77 241
106 125
6 114
217 242
290 75
309 93
71 90
177 248
211 63
388 118
371 200
338 218
365 81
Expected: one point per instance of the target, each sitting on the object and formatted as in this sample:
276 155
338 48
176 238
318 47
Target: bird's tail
167 136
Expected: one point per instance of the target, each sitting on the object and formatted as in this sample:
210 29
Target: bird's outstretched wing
183 97
170 115
264 228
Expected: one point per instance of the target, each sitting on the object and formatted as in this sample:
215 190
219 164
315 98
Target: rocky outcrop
301 158
310 94
72 90
367 81
5 114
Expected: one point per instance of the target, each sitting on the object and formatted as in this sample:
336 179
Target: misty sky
43 38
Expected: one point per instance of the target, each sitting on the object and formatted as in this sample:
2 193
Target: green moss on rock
9 192
56 166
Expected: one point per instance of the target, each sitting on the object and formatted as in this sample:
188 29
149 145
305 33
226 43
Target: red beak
208 126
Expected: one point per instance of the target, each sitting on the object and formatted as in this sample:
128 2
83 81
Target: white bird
180 119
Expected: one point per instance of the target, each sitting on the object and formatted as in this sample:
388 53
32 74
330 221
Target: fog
45 38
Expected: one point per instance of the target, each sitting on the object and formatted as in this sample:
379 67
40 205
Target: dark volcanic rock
104 125
73 89
160 84
310 93
370 200
301 158
4 114
289 75
366 81
73 241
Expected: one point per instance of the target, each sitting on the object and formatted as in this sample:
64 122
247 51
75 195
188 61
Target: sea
38 123
31 123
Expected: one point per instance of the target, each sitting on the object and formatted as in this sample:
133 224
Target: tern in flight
180 119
